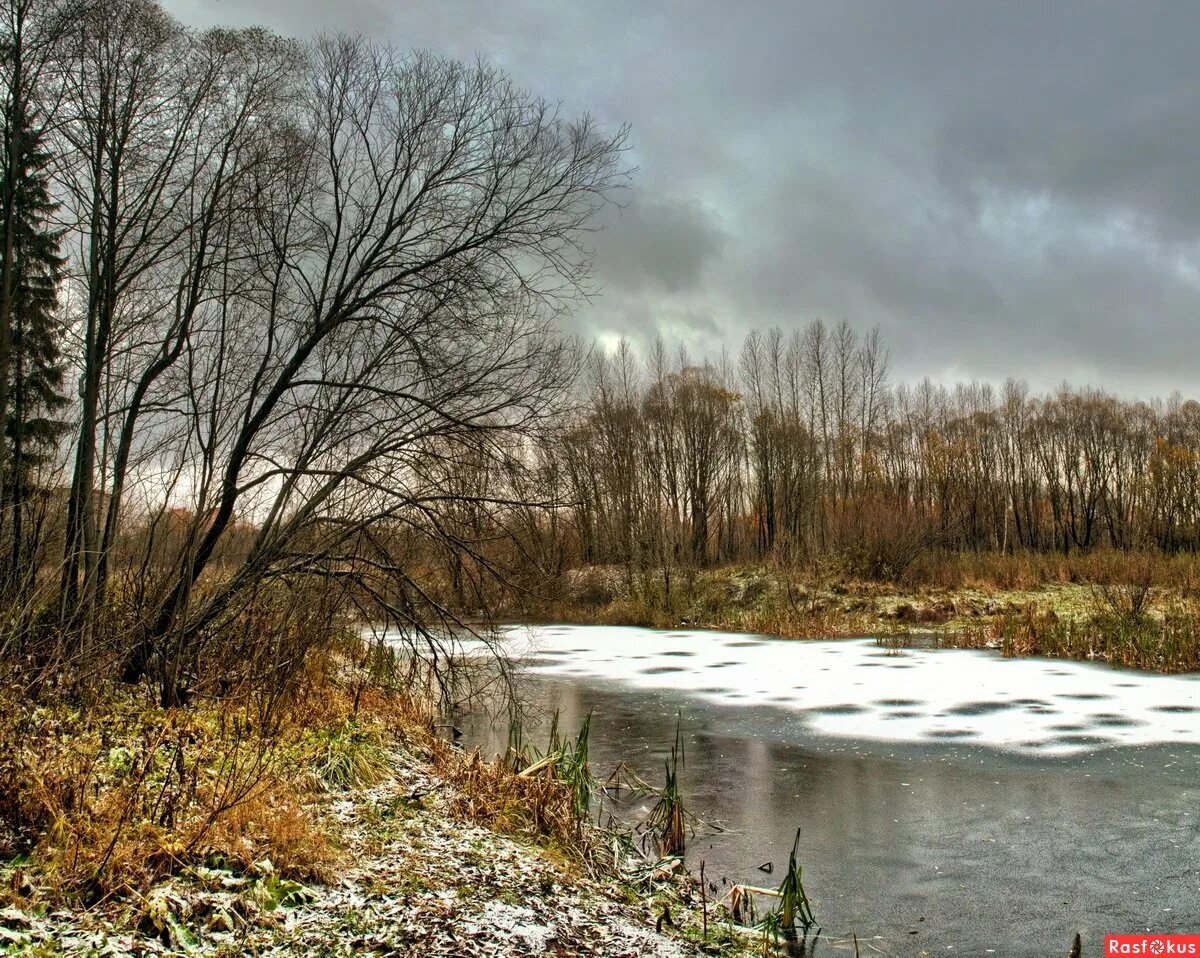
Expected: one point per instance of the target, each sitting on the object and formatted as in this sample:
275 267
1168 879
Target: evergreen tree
30 272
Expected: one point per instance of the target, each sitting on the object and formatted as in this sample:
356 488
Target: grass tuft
349 755
667 820
794 908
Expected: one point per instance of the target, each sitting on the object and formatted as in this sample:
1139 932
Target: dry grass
1134 609
109 800
100 800
1168 642
712 603
112 800
1033 570
492 794
546 796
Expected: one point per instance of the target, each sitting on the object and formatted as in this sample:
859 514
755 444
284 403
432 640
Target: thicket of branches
303 290
803 447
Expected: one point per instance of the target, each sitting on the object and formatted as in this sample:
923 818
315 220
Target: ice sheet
855 689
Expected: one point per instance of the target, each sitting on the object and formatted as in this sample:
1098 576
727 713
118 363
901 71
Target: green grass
349 755
794 908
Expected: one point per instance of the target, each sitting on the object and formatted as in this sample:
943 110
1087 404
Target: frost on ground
414 882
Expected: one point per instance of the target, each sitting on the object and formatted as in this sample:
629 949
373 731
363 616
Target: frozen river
950 801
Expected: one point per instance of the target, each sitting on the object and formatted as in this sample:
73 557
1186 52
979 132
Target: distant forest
804 446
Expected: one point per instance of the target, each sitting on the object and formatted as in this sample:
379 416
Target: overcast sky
1006 189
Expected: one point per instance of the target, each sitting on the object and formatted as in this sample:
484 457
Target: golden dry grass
109 800
1132 609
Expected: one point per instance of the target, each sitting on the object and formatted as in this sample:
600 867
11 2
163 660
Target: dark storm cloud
1006 189
657 244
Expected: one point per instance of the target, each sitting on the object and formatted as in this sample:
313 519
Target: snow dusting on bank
416 883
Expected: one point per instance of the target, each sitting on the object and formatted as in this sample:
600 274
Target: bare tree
407 259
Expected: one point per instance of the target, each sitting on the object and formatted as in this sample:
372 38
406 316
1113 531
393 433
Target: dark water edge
935 848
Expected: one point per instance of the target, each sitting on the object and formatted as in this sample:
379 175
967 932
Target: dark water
937 848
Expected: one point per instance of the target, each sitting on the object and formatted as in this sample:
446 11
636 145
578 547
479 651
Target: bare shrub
880 540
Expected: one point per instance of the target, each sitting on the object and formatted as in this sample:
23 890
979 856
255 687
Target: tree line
803 446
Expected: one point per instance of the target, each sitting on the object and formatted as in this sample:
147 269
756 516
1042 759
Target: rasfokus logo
1152 944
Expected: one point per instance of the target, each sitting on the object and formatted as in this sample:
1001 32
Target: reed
548 793
794 908
575 771
667 820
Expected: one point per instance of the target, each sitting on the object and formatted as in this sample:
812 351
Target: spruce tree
30 273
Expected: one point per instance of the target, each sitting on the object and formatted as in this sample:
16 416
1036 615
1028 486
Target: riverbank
404 870
1116 616
415 881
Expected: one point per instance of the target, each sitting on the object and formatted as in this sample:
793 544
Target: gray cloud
658 245
1006 189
